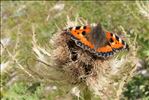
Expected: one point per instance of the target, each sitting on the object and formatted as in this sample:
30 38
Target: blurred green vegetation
18 17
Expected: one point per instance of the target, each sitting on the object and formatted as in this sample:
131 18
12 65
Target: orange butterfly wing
78 34
116 42
104 51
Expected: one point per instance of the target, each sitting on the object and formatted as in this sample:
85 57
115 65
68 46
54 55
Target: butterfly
98 42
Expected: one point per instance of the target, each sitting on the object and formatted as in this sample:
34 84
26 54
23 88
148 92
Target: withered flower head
105 77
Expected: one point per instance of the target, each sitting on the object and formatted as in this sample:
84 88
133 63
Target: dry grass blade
13 57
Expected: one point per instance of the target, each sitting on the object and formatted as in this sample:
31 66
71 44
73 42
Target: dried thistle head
105 78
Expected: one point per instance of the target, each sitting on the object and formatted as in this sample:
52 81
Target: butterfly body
97 41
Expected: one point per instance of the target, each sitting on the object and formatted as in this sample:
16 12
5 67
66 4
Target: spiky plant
105 78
